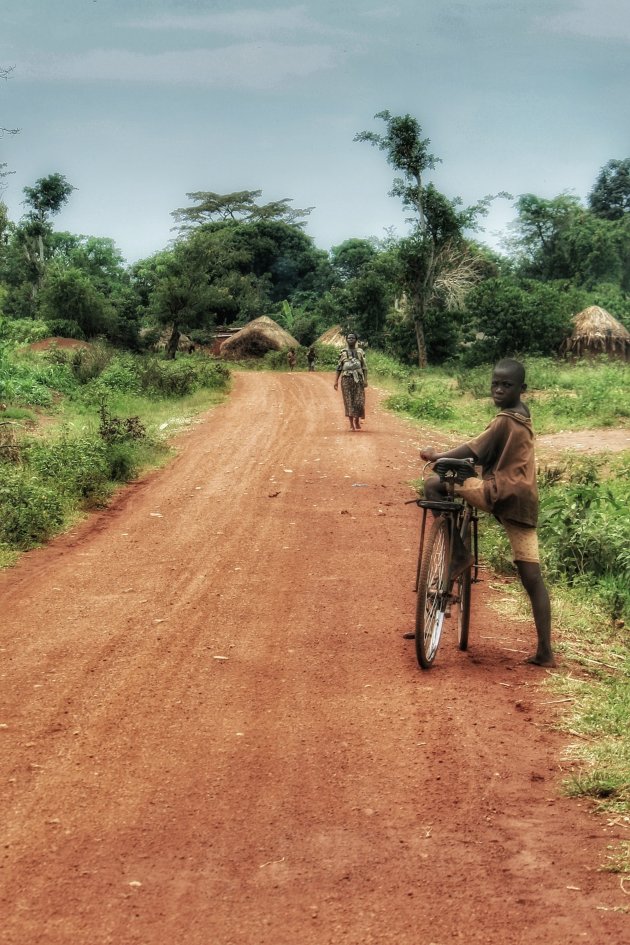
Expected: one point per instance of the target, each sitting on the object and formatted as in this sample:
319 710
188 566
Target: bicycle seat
457 469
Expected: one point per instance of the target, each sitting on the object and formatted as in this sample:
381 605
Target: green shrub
65 328
421 406
30 511
23 331
180 377
122 461
76 468
32 380
121 375
585 532
89 363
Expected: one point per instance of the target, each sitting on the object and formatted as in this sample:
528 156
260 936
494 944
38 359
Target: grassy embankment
77 424
585 543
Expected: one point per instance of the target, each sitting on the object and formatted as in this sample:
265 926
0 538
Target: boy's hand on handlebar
429 455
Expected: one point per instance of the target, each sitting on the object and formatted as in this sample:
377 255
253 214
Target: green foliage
69 294
121 374
421 406
240 206
29 510
558 239
32 380
383 365
119 429
86 363
516 318
23 331
177 378
585 532
73 467
64 328
610 196
48 196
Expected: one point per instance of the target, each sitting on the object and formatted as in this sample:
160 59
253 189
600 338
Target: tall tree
610 196
435 248
43 201
238 207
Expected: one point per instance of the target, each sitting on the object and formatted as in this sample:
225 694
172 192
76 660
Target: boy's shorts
523 538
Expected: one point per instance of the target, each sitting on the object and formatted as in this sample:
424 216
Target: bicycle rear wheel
432 593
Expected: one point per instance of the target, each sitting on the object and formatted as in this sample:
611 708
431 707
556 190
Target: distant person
311 358
507 489
291 358
352 369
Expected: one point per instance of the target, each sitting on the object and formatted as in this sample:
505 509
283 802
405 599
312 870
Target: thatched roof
595 331
333 337
184 344
256 339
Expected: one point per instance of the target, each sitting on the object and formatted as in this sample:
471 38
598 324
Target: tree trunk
421 343
172 343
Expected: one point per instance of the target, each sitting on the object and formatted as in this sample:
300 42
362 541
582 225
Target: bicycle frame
459 514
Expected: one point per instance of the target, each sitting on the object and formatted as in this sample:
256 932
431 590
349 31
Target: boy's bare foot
541 659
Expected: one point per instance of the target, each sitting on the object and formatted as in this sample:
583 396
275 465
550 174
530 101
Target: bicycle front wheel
464 582
432 593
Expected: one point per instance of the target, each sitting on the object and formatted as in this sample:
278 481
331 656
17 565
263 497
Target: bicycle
438 594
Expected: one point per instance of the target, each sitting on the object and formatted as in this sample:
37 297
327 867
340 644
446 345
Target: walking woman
353 372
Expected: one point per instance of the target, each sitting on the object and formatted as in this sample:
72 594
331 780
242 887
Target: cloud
243 65
241 23
597 19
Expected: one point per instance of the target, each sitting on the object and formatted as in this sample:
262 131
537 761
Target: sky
139 102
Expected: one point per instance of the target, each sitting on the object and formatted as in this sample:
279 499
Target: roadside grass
591 693
109 415
584 535
562 395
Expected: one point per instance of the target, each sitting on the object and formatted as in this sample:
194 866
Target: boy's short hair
516 369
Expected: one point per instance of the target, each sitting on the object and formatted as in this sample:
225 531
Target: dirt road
214 734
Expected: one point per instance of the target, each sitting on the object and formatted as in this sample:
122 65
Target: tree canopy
238 207
610 196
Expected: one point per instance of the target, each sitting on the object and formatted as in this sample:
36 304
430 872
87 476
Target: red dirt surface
214 734
67 343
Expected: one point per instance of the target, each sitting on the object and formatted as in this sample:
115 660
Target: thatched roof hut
333 337
597 332
256 339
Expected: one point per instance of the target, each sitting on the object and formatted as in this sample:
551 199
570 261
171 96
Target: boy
505 452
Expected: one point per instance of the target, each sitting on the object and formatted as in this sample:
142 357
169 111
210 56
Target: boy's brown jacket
505 452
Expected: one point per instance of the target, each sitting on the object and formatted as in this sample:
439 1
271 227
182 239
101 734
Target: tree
181 297
560 239
350 257
517 317
436 242
610 196
69 298
238 207
43 201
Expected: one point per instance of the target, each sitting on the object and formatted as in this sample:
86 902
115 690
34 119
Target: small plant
9 445
114 429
